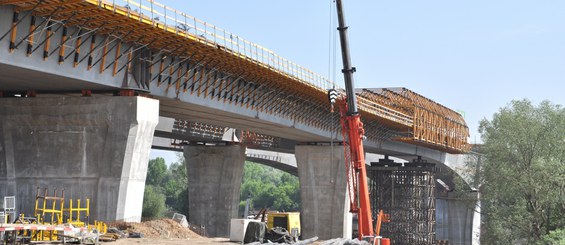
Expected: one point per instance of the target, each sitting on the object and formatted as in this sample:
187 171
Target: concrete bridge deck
173 56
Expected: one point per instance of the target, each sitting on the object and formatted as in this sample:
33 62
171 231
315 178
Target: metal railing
172 20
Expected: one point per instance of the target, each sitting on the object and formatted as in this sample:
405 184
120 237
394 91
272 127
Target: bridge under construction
66 59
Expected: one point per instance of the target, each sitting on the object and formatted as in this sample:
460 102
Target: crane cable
331 73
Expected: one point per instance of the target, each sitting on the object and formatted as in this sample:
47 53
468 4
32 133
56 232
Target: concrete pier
323 187
214 180
458 218
93 147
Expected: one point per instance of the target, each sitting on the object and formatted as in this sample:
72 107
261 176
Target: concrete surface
323 186
458 219
214 180
93 147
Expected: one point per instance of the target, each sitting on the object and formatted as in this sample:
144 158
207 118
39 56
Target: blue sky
471 56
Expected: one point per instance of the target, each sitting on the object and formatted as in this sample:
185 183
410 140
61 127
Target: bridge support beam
323 188
214 179
93 147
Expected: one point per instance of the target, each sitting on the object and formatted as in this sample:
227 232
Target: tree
156 171
556 237
269 188
523 172
166 188
153 203
176 188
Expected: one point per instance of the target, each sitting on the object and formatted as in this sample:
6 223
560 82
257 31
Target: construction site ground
174 241
164 231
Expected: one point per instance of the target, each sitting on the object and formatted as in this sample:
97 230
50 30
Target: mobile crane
353 134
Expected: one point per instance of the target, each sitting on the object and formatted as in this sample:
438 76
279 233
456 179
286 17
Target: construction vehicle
353 134
289 220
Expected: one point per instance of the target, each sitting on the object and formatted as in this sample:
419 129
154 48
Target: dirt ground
172 241
164 231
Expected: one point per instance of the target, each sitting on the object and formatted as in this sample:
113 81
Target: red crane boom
353 135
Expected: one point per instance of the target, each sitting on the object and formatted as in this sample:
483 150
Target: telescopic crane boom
353 134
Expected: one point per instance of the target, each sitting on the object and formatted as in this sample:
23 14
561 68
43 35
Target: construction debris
51 221
344 241
181 219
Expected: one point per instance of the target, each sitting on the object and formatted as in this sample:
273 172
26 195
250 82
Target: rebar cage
407 194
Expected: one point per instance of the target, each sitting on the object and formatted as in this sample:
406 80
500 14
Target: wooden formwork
433 125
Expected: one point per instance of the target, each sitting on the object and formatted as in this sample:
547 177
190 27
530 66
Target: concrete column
323 187
93 147
457 219
214 179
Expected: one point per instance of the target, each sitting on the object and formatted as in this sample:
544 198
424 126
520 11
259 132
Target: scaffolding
406 193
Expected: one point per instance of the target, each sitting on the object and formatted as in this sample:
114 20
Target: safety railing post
237 45
231 42
140 11
165 13
114 5
225 44
129 8
185 25
195 28
251 50
176 24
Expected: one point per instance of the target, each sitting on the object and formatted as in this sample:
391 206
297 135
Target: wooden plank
92 43
6 2
104 52
47 41
62 49
14 31
77 50
116 58
47 5
31 36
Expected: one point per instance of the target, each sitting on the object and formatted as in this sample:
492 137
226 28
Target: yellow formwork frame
57 205
78 210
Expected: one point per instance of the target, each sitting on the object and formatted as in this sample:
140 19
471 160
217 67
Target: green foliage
167 188
270 188
156 171
556 237
153 203
176 188
523 172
